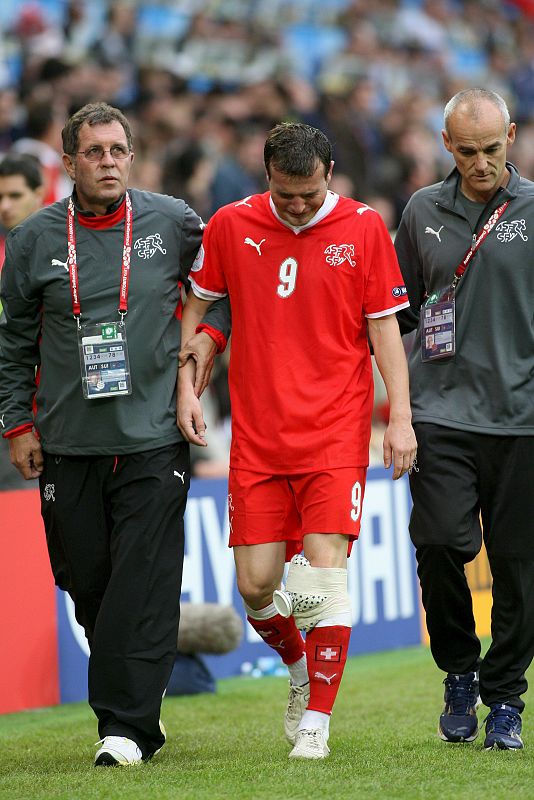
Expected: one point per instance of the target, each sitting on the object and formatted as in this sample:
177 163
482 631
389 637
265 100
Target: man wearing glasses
89 341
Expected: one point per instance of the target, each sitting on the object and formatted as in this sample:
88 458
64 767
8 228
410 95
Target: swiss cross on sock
330 653
282 635
270 632
326 651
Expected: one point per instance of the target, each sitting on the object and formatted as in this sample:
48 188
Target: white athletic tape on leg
312 593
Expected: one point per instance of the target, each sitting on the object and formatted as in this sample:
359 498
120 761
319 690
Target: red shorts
284 508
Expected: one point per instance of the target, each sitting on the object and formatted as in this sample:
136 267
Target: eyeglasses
96 153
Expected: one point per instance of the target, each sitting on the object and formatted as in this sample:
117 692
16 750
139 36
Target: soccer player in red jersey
310 275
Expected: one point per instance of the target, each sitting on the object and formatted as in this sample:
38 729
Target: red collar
104 221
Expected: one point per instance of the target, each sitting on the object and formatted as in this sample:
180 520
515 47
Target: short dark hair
22 164
295 148
93 114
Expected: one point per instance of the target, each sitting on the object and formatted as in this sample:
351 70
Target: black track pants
464 476
115 537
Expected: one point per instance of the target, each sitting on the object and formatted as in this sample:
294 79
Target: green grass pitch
231 745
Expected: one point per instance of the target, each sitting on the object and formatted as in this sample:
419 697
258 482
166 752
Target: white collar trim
330 202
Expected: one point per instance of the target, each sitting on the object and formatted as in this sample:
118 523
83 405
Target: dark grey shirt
488 386
37 328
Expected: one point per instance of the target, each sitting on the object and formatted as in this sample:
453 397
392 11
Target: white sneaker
310 744
117 751
297 701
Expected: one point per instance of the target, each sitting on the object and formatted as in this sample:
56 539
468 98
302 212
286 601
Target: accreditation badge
438 329
104 361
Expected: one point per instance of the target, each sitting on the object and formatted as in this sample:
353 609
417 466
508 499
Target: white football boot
310 744
297 701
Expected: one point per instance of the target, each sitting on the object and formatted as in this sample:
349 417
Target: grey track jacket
488 386
37 328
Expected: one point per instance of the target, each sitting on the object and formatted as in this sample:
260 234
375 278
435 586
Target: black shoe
458 722
503 728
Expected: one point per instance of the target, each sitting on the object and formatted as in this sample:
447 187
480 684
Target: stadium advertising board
48 652
382 580
28 627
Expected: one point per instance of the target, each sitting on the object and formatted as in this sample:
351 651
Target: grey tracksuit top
37 327
488 386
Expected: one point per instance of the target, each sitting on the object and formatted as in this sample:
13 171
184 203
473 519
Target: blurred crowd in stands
203 81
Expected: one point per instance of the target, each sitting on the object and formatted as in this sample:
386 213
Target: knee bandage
312 594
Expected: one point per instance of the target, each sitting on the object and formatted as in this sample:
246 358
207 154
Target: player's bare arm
26 455
190 419
400 445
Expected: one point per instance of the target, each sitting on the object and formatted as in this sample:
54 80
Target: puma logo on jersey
428 229
326 678
57 263
244 202
363 209
253 244
180 475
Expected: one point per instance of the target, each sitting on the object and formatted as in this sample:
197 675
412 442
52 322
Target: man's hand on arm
26 455
400 445
202 349
197 347
189 417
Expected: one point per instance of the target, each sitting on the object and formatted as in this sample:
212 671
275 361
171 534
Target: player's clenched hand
191 420
26 454
400 447
202 349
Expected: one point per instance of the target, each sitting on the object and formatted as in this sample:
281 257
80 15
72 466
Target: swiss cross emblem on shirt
336 254
328 652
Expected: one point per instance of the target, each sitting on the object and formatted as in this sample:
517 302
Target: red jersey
300 376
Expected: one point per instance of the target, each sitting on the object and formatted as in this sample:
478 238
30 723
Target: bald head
477 133
473 102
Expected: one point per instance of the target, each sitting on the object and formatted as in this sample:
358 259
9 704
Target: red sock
282 635
326 654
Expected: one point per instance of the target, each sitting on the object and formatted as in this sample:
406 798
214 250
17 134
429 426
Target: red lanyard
73 266
477 241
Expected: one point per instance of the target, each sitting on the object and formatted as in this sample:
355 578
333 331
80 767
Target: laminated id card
438 335
104 361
